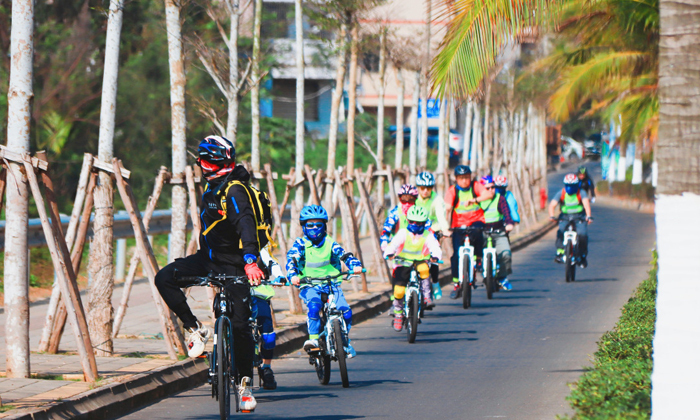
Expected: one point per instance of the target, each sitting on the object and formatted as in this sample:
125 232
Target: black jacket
588 185
236 236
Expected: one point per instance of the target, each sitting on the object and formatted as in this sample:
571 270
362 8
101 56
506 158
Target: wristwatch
249 259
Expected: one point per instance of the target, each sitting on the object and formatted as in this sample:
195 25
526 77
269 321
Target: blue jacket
512 206
298 252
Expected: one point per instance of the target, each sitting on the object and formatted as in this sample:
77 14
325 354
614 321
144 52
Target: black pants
199 264
476 239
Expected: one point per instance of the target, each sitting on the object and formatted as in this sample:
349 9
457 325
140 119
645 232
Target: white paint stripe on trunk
675 383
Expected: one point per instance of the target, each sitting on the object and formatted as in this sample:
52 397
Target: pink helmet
501 181
408 189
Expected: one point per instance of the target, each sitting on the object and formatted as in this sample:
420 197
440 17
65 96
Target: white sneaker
247 399
350 352
197 339
310 344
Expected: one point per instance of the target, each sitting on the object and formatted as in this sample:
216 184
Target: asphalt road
510 358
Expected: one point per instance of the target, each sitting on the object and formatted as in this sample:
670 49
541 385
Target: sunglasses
416 223
489 188
407 199
312 225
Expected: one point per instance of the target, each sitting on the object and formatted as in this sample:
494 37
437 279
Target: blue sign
432 108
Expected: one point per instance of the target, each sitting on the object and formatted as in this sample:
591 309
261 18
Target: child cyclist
437 212
316 254
415 243
396 220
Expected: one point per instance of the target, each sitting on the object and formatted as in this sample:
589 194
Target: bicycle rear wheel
322 364
466 282
223 368
489 277
340 352
413 310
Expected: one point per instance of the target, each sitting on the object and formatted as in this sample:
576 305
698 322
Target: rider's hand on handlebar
390 257
552 218
357 270
509 228
254 274
296 280
589 219
446 233
433 259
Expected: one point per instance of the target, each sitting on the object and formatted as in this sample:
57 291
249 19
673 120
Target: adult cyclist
434 205
501 183
228 245
497 216
575 206
586 182
463 207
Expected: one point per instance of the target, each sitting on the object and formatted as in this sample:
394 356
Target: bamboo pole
194 211
352 229
382 268
66 276
129 282
312 186
150 265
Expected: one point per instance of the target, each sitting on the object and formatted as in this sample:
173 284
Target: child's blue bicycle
334 336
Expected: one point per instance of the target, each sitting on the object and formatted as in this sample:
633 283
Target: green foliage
618 386
642 192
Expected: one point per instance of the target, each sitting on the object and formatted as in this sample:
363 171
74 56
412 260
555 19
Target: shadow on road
594 280
260 397
420 340
366 384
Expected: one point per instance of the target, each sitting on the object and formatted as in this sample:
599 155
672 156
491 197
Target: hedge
642 192
618 386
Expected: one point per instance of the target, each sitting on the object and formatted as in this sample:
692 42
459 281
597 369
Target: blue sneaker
505 285
350 352
437 291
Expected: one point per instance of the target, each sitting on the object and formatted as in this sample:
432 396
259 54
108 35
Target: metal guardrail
160 223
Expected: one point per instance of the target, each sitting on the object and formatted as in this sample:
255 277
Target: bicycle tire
413 310
466 283
340 353
489 278
223 371
569 268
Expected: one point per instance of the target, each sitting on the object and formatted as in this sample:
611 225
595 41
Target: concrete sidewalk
139 352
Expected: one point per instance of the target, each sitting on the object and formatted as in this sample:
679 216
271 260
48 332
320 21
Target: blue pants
263 314
312 299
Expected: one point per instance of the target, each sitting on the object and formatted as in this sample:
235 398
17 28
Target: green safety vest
403 220
413 247
463 197
264 291
491 213
427 205
571 203
318 259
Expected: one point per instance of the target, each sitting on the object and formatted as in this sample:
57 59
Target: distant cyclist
586 182
501 183
434 205
576 206
396 220
497 216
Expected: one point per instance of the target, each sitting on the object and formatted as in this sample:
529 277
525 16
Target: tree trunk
486 161
380 117
178 226
476 139
466 149
335 107
232 121
101 268
255 89
426 82
299 167
622 163
637 166
352 96
19 97
676 343
398 161
413 145
441 141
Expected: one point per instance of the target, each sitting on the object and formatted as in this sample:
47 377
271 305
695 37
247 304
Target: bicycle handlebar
219 280
310 280
414 261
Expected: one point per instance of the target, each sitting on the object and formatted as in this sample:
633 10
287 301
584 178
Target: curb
121 398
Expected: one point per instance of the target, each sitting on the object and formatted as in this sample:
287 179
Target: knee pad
269 340
347 315
314 309
399 292
423 270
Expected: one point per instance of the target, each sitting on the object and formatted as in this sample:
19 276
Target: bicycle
334 337
222 366
571 251
490 262
413 302
467 267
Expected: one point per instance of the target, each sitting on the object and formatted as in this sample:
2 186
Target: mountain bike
222 360
413 302
490 262
467 268
571 251
334 336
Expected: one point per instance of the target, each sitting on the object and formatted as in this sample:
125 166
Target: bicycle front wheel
466 282
570 265
340 352
223 367
413 310
489 277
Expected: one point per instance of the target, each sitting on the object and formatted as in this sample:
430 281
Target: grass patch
618 386
135 355
6 408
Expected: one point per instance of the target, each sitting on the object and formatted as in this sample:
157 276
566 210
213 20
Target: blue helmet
425 179
313 212
462 170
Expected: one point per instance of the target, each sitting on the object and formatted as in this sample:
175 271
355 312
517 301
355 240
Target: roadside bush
603 187
621 188
643 192
618 386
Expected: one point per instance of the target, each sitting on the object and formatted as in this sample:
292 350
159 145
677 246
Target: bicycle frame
489 249
466 250
413 286
331 313
571 237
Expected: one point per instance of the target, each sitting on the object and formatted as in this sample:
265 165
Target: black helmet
582 169
462 170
